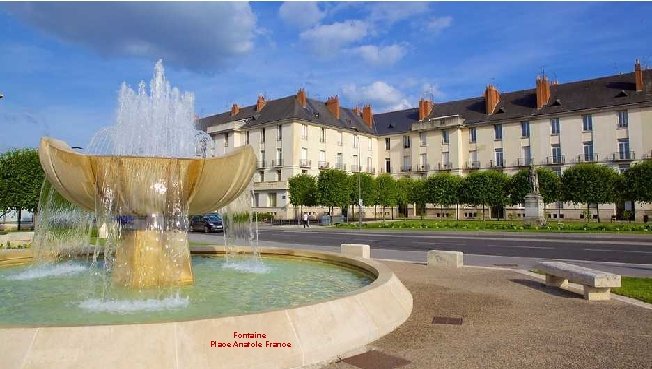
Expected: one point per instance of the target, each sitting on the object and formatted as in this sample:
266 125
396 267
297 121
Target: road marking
524 247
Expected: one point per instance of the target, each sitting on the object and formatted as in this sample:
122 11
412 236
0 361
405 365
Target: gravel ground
511 321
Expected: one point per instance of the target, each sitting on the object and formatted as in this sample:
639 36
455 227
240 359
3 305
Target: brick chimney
333 105
543 91
301 97
367 116
425 108
638 75
260 104
235 109
491 98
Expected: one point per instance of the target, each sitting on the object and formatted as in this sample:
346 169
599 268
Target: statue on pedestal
534 206
534 179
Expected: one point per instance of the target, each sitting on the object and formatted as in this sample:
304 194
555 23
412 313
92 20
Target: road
618 252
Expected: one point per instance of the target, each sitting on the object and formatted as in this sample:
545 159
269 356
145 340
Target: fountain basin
294 337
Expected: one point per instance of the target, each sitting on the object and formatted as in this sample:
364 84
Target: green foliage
519 186
549 185
637 182
367 188
589 184
265 217
386 186
443 189
404 187
484 188
333 188
21 177
303 190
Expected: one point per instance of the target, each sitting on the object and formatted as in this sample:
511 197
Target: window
279 156
587 123
304 131
445 159
525 129
472 134
278 176
444 136
499 157
422 138
322 134
473 159
322 155
498 131
370 166
356 141
226 139
279 132
422 160
247 138
623 148
556 154
407 163
387 143
304 153
527 155
388 165
356 164
271 199
406 142
588 150
623 119
340 160
262 135
554 126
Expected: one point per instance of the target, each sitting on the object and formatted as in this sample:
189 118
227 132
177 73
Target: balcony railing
623 155
356 168
423 167
496 164
555 160
587 158
304 163
523 162
371 170
473 164
445 166
386 170
406 168
340 166
261 164
323 164
277 163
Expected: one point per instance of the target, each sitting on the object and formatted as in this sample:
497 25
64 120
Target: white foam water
247 266
133 306
48 270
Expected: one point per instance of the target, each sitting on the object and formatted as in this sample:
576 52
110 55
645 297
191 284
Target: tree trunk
597 209
392 213
483 212
457 211
383 213
375 215
19 216
588 212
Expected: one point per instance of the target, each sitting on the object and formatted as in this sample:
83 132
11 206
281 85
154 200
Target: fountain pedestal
152 259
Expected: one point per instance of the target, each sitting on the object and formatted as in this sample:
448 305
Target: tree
403 188
589 184
443 189
519 186
637 182
333 188
486 188
367 189
21 178
418 195
386 195
302 189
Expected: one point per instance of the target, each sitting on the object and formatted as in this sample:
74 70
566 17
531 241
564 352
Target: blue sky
61 64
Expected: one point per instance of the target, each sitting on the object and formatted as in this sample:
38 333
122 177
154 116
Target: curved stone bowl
145 185
317 332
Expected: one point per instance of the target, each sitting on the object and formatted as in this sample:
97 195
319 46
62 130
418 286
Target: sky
62 64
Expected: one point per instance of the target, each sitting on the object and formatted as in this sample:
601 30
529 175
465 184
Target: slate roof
518 105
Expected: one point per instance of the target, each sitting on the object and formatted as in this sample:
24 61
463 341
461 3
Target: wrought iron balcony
261 164
445 166
304 163
473 165
356 168
555 160
587 158
423 167
277 163
623 156
371 170
386 170
406 168
340 166
524 162
496 164
323 164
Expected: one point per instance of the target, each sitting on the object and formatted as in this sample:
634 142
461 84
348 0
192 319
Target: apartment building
606 120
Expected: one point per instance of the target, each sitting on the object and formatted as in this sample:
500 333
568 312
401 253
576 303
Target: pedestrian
305 220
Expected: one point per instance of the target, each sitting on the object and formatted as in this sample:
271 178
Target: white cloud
197 36
380 55
382 96
301 14
392 12
329 39
438 24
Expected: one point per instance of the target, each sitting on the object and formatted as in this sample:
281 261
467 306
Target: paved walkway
511 321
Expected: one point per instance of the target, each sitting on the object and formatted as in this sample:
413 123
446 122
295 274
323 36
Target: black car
207 223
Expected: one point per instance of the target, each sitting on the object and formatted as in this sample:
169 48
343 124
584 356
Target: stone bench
597 284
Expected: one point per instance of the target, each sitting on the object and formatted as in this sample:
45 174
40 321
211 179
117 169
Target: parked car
207 223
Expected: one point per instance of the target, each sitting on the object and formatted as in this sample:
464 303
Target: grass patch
636 288
504 226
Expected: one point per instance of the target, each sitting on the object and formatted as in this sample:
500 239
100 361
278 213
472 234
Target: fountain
138 182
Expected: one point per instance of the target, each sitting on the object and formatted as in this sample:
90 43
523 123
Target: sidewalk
511 321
